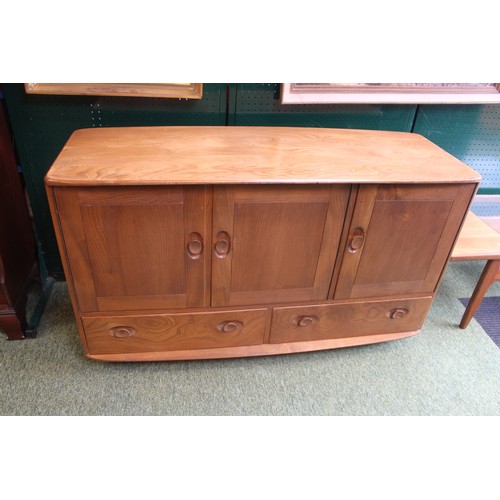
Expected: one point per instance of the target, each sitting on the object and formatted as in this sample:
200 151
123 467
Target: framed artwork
390 93
167 90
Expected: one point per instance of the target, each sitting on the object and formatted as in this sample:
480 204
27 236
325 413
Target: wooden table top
253 155
477 241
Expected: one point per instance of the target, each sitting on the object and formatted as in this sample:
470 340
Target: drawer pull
122 331
229 326
222 245
304 321
195 246
398 313
357 239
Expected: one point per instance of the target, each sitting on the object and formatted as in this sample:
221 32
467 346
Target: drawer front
172 332
330 321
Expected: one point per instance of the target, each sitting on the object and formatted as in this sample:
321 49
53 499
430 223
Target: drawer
171 332
331 321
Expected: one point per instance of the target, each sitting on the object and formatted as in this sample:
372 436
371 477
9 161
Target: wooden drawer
330 321
171 332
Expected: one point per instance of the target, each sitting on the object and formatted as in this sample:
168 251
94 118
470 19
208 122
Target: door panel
400 239
129 248
280 242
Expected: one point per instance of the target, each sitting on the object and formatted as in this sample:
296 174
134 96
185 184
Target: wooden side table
478 241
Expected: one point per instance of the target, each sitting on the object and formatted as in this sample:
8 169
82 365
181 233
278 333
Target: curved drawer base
254 350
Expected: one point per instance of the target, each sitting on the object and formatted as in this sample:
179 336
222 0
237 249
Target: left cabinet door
136 248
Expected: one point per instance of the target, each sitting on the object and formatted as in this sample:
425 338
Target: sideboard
215 242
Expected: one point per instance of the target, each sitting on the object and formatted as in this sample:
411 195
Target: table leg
488 276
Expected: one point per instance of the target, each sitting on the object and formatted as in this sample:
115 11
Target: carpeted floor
442 371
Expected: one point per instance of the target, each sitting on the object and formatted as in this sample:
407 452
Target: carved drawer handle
195 246
356 240
398 313
122 331
304 321
230 326
222 245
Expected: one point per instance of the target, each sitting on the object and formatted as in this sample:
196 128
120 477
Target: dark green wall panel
469 132
259 104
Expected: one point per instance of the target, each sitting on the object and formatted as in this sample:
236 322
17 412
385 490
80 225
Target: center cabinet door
275 243
137 248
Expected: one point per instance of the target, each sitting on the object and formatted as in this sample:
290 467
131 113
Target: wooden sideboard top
261 155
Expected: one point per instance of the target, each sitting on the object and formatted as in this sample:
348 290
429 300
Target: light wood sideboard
214 242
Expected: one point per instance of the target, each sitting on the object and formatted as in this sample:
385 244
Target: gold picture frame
390 93
164 90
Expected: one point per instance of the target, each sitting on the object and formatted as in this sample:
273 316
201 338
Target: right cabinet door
400 238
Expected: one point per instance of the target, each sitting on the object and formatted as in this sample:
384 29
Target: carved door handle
356 240
194 247
304 321
398 313
122 331
222 245
229 326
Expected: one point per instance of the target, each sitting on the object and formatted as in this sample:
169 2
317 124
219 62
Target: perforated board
259 104
469 132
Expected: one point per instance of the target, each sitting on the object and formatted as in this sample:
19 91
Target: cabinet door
275 243
133 248
400 239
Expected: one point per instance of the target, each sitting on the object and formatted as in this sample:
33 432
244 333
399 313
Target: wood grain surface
229 155
477 241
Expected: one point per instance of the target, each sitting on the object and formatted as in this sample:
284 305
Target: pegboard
486 205
259 104
469 132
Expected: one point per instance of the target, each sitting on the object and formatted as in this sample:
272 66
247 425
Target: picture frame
390 93
163 90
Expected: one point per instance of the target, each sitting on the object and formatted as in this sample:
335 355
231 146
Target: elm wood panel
321 322
343 239
282 242
403 236
54 212
258 155
128 250
136 250
262 236
252 350
162 332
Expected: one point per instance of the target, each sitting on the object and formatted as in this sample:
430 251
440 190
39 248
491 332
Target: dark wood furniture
18 262
209 242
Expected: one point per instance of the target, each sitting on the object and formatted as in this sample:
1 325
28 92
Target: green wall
42 124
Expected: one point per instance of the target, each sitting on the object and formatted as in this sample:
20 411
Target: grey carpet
442 371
